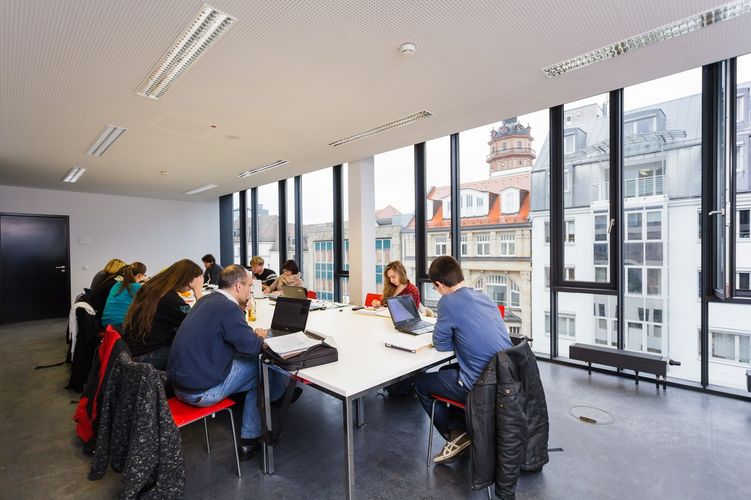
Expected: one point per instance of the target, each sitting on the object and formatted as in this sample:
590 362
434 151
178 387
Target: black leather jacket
507 418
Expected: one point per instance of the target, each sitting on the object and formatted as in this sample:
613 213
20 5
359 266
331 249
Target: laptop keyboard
425 329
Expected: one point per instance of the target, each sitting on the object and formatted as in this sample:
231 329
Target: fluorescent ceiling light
108 136
201 189
207 26
74 174
248 173
675 29
405 120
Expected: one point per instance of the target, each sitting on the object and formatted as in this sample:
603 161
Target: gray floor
661 445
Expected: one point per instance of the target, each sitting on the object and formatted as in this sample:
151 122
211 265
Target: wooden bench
624 360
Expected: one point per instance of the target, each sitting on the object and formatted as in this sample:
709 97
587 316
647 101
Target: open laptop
405 316
290 316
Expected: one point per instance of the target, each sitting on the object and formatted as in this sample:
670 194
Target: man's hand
261 332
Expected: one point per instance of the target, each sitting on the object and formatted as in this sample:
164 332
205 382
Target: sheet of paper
291 343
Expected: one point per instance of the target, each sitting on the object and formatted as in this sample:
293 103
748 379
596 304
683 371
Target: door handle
60 267
717 212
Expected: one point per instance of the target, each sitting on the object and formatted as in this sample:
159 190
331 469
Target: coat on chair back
507 418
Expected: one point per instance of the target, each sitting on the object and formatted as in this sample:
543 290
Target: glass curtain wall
317 229
290 233
236 228
267 213
249 213
438 207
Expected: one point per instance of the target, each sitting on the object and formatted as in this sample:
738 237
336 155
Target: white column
361 229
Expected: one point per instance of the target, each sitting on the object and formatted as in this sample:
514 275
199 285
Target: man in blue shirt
469 324
215 354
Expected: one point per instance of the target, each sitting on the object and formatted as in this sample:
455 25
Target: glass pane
662 195
236 228
268 225
291 219
586 189
587 319
729 340
743 170
395 208
345 221
248 222
438 198
318 224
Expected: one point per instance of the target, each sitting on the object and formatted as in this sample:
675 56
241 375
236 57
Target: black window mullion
556 220
421 271
282 246
732 95
254 219
243 227
615 236
226 239
298 221
338 231
455 234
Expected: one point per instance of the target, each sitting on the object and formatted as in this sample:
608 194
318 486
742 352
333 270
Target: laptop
290 316
405 316
294 292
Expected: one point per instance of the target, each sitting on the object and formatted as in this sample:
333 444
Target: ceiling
291 76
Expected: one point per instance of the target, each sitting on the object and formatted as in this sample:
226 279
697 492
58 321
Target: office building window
465 245
570 274
501 289
547 276
731 346
441 245
654 281
569 144
744 224
570 231
317 229
601 273
634 280
742 280
547 232
508 245
483 244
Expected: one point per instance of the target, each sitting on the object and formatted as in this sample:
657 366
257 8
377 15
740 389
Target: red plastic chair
184 414
312 295
369 298
503 311
447 402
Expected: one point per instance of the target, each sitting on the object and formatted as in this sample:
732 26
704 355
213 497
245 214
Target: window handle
717 212
611 225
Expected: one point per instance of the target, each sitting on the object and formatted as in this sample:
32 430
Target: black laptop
405 316
290 316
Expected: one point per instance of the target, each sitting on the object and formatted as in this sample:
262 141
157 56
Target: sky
394 183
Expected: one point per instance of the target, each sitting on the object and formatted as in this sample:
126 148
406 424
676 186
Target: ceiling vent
74 174
201 189
108 136
405 120
207 26
675 29
248 173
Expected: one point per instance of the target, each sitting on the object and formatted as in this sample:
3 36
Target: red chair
503 311
447 402
312 295
369 298
184 414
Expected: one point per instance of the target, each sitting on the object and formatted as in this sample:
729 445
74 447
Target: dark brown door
34 267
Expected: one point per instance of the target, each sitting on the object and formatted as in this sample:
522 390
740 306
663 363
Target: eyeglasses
244 283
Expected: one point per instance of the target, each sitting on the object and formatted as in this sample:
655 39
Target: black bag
317 355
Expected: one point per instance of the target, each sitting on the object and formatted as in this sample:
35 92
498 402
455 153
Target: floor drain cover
591 415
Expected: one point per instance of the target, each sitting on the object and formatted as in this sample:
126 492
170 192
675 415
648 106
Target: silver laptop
290 316
405 316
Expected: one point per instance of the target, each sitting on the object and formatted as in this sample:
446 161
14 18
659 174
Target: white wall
155 232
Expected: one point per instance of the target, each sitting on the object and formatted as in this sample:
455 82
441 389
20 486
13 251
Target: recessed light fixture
675 29
163 172
108 136
405 120
248 173
407 49
201 189
74 174
207 26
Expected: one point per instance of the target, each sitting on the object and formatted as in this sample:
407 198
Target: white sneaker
453 449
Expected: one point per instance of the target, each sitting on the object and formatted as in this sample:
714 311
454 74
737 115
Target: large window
317 228
268 225
236 228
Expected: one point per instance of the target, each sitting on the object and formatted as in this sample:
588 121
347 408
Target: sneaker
453 449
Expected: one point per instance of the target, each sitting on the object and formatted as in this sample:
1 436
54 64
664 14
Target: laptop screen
402 309
290 314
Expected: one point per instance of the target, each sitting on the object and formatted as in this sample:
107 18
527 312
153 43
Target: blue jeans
242 377
444 382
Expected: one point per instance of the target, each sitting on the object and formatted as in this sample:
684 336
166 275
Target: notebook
290 316
405 316
409 343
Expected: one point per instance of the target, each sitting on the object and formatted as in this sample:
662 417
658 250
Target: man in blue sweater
215 354
469 324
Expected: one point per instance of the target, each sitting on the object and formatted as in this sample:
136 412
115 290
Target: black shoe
277 403
248 447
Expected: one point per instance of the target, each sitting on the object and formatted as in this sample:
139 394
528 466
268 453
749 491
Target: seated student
396 283
265 275
158 310
110 269
122 294
215 354
290 277
470 325
211 275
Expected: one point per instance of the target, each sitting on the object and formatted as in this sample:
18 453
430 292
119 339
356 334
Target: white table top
364 361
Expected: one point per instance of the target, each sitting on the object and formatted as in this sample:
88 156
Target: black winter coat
507 418
138 435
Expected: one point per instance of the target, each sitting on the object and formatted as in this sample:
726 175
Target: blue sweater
118 303
212 333
470 324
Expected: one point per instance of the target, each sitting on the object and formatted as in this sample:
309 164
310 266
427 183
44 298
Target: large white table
365 364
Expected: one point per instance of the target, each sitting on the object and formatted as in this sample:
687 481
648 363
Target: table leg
349 454
360 409
268 450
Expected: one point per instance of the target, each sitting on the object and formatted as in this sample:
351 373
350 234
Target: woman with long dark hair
122 293
158 310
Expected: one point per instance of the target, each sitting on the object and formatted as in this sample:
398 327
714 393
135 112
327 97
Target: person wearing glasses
290 277
215 354
157 311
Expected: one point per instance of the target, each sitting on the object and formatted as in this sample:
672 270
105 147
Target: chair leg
490 495
234 441
430 433
206 430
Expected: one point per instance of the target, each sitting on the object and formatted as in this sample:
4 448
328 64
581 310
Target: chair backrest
312 295
369 298
503 311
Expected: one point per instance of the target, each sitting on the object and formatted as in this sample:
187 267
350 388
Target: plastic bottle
252 309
